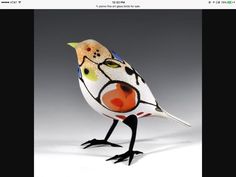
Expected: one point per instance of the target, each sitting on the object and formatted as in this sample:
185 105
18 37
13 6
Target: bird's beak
73 44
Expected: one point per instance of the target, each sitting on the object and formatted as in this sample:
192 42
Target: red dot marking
148 114
88 49
117 102
139 113
121 116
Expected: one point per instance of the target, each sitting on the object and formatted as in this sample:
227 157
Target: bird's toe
95 142
124 157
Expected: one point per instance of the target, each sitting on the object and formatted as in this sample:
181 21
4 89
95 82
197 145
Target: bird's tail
165 114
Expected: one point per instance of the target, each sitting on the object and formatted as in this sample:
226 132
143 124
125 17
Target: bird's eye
86 71
111 64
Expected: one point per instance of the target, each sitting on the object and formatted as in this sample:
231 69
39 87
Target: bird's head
90 49
96 62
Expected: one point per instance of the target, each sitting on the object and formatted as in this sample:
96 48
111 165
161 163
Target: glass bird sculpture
116 90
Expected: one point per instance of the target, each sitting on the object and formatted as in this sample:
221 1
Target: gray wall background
164 46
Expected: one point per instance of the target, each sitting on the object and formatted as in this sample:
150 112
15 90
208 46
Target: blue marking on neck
116 56
79 72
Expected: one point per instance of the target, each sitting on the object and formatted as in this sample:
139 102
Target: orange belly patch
122 98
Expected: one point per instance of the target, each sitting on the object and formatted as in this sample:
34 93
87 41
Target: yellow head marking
89 70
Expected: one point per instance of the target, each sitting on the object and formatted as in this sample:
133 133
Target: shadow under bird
116 90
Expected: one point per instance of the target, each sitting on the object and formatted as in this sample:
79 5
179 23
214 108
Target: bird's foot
95 142
122 157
